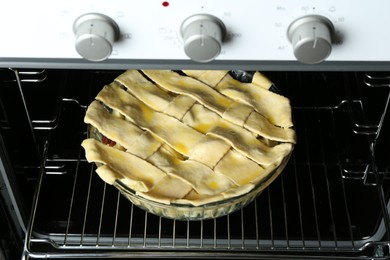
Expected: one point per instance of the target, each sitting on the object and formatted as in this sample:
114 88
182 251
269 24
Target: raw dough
191 138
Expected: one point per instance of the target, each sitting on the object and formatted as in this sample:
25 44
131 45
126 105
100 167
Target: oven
331 59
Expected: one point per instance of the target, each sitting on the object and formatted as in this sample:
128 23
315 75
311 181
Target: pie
188 138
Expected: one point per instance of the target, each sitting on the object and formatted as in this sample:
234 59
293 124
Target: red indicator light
165 3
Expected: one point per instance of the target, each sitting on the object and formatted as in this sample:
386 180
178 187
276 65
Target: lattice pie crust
188 138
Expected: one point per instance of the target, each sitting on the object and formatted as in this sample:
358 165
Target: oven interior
331 200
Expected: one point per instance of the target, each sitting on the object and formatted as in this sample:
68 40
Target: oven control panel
195 31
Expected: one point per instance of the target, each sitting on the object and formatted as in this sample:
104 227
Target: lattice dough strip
209 77
237 111
158 123
197 199
260 80
123 132
115 128
177 108
145 90
153 96
274 107
203 179
208 122
256 124
163 126
173 82
198 175
160 164
168 189
161 192
145 145
121 162
107 174
210 151
221 104
234 164
179 105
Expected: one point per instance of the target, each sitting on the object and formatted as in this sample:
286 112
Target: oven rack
312 210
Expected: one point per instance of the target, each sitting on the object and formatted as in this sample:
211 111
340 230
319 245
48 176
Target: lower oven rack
325 204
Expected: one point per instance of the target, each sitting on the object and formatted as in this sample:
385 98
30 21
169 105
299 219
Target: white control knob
311 38
95 35
203 35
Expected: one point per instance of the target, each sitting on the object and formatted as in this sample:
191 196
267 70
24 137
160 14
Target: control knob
203 35
311 38
95 35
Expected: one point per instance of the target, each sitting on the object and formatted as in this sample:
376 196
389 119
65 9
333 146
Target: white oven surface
256 30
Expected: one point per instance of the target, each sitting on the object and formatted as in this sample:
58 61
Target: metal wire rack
319 207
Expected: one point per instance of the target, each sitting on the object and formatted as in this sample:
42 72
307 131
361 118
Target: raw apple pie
189 144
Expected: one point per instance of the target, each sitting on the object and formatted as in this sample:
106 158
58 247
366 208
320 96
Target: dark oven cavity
331 201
